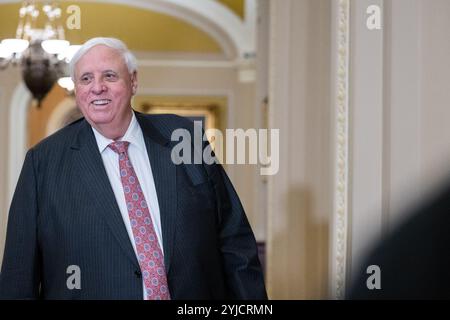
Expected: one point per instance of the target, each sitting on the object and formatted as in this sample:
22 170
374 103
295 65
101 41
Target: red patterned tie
148 249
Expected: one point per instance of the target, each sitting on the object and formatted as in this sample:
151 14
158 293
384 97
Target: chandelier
43 54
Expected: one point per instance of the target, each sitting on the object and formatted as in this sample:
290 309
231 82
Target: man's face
103 89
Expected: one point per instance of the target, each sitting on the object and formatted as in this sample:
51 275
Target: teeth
101 102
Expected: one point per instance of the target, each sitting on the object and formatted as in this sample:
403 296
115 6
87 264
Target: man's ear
134 82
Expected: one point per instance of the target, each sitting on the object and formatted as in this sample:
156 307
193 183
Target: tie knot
119 146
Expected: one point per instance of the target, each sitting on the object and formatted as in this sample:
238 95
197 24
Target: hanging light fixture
43 54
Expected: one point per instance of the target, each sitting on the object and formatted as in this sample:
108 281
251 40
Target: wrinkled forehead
98 58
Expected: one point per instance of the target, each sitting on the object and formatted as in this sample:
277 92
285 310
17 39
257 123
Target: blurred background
359 90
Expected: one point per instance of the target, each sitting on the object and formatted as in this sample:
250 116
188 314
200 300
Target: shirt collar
133 135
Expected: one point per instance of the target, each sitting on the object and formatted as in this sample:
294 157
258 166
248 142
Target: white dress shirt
138 155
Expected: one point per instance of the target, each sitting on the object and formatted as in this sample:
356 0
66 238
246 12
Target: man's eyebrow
109 70
86 74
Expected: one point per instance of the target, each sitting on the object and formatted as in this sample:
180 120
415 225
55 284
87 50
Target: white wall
402 118
401 138
435 89
299 194
8 81
365 132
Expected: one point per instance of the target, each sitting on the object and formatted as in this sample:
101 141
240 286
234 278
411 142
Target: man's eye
85 79
111 76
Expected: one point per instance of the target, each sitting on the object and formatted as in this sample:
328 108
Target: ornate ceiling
142 30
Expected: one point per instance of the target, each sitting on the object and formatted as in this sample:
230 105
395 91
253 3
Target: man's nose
98 87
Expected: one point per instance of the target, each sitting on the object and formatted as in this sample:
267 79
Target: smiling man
104 87
101 212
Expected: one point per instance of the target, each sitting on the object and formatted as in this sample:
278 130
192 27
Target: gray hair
128 57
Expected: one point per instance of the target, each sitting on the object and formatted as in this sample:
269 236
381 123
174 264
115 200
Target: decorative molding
236 37
187 63
341 165
250 22
246 72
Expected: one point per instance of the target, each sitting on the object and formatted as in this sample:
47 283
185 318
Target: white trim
280 102
223 18
187 63
341 47
246 68
236 37
184 92
17 135
251 21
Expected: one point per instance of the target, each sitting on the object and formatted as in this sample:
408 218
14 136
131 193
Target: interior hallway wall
300 199
8 80
399 109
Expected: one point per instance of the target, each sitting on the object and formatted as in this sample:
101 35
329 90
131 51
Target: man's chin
97 121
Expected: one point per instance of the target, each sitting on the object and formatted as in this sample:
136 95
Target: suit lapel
164 175
94 178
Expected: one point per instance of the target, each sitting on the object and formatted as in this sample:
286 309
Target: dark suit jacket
64 213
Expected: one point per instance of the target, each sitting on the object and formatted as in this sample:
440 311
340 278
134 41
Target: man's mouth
101 102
